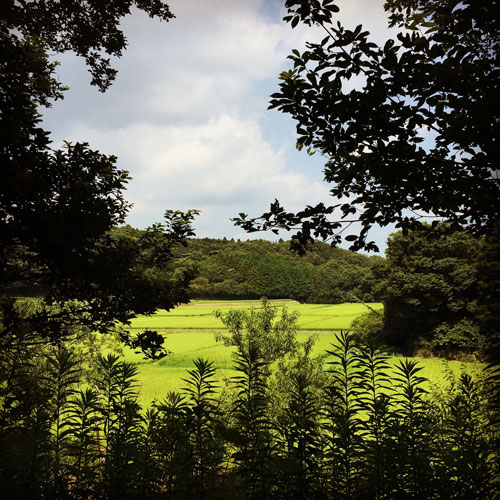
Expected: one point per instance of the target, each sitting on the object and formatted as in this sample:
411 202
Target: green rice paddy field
198 315
190 333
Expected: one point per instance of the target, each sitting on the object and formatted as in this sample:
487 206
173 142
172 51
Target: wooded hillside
229 269
252 269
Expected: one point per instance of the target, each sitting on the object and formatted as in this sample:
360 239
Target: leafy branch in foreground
406 144
57 207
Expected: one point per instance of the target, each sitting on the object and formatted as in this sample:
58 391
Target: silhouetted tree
416 137
57 207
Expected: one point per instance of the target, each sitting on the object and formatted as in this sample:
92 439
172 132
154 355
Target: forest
413 146
228 269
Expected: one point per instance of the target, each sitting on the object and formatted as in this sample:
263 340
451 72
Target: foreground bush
358 429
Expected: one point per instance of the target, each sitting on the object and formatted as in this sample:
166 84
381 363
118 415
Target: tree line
228 269
438 285
440 291
286 425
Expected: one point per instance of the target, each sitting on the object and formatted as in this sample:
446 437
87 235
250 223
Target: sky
187 115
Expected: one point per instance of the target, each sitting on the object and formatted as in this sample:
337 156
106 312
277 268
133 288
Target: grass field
199 315
189 331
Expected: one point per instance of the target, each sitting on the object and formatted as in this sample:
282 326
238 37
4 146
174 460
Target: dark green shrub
368 328
459 339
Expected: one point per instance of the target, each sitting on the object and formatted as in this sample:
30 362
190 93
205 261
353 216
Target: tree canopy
254 269
77 193
409 128
57 207
431 292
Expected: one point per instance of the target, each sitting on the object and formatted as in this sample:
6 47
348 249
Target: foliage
252 437
368 328
378 408
431 291
273 336
342 421
89 29
203 440
360 429
252 269
57 207
346 433
408 128
63 200
299 437
413 432
462 336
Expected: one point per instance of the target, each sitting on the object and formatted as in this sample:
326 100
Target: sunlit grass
189 332
159 377
199 315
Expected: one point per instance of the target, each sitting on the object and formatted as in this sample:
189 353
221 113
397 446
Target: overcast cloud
187 114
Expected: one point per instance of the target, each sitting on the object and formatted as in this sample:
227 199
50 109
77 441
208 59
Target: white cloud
187 115
205 62
222 167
